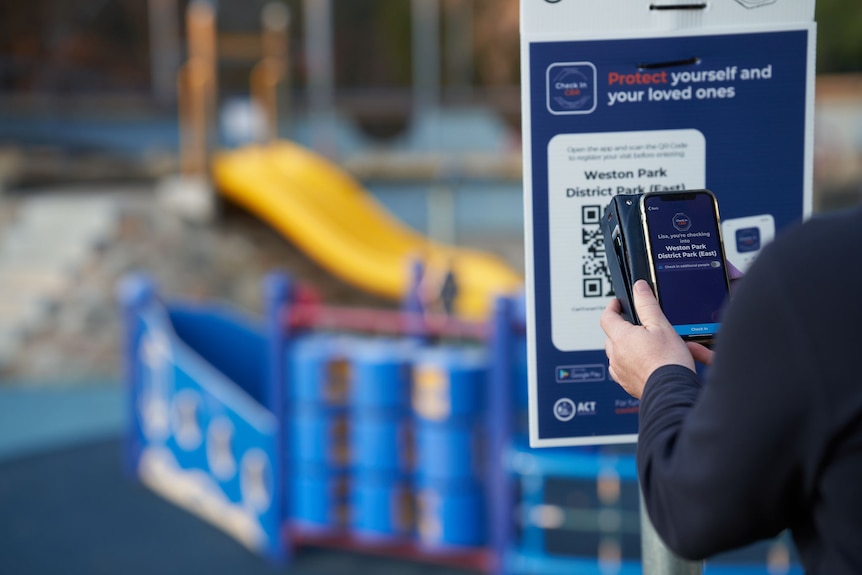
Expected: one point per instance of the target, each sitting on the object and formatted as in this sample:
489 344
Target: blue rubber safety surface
73 511
67 507
39 416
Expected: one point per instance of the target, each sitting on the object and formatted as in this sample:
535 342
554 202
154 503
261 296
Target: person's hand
635 351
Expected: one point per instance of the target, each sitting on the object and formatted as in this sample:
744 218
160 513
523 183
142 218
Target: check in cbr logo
571 88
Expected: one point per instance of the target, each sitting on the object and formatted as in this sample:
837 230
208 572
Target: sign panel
612 111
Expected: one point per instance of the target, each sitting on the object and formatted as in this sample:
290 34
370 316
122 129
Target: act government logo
571 88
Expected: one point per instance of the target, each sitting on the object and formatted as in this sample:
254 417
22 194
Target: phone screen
687 260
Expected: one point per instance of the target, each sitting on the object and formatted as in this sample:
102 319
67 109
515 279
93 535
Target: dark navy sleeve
720 463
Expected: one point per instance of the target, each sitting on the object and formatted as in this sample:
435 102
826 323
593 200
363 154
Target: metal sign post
656 558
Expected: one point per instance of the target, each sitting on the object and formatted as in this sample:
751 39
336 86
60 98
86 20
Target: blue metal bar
134 293
277 293
499 418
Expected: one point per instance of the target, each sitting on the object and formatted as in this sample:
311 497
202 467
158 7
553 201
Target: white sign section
584 172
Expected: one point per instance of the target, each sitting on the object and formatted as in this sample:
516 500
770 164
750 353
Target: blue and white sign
619 103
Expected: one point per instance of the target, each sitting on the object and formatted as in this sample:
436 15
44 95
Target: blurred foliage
497 41
103 45
372 43
839 41
496 38
59 46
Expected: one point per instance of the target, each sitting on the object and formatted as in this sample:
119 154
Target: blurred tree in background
87 46
373 43
56 46
498 41
839 42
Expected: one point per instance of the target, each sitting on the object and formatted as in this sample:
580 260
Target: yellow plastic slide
328 215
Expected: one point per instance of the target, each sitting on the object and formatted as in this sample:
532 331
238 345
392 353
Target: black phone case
627 262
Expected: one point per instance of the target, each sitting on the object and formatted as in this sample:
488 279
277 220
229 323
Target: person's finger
646 305
611 318
700 353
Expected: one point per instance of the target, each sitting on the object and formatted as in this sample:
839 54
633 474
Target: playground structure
392 433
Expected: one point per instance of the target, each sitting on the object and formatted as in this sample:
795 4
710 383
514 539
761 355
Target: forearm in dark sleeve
669 396
719 462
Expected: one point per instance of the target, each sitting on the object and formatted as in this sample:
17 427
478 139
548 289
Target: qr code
594 265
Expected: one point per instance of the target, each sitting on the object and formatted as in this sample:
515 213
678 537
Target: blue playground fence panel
449 382
227 340
319 498
450 451
382 507
381 427
450 514
381 444
381 378
318 370
283 433
196 437
319 436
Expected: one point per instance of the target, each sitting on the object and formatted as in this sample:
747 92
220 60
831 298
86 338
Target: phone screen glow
686 253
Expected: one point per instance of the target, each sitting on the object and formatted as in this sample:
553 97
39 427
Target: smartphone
686 260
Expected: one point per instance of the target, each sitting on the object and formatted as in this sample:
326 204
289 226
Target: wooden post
197 87
271 70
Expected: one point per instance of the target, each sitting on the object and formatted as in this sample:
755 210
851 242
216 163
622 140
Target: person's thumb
646 305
